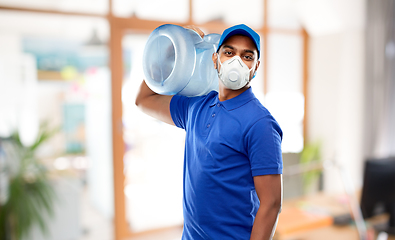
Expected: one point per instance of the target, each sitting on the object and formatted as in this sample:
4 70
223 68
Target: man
233 161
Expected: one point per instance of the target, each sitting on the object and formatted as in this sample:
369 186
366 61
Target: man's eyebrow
229 46
249 51
245 50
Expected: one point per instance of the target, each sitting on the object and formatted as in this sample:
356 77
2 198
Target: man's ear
256 68
257 65
215 59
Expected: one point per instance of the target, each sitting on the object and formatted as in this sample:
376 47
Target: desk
322 205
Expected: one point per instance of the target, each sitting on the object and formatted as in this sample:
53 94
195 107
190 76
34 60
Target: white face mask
234 73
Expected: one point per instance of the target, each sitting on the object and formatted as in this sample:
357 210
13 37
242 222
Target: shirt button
208 125
213 115
218 104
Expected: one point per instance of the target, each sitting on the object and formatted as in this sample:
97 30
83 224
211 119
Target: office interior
69 73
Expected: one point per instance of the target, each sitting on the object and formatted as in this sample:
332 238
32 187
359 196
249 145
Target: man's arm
269 191
153 104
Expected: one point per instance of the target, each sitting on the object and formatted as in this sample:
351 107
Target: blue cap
241 30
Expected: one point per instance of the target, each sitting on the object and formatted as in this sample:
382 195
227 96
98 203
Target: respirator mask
234 73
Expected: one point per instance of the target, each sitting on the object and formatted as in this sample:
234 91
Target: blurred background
78 160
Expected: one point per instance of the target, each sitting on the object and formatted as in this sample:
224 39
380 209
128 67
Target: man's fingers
196 29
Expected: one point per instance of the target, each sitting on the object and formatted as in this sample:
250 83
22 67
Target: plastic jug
178 61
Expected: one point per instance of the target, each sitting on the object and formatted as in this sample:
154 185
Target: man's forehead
233 43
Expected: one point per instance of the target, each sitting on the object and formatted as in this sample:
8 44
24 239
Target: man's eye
248 57
228 53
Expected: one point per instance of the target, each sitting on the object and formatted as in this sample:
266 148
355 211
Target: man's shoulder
210 95
257 114
256 108
193 102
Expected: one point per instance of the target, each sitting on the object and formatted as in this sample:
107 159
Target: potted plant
310 155
30 194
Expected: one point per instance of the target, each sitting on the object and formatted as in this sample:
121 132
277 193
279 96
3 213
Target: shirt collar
237 101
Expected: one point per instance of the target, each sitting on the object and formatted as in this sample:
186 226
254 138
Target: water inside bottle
161 59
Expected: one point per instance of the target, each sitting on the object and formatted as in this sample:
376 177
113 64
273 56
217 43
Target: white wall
336 91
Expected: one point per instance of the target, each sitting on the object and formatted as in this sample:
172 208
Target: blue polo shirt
227 144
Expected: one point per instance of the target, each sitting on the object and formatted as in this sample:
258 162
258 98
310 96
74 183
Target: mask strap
254 71
218 61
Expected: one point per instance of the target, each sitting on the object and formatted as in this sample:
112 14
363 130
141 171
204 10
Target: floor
93 224
96 227
170 234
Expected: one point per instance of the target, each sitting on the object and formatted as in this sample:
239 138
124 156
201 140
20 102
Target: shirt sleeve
179 110
264 147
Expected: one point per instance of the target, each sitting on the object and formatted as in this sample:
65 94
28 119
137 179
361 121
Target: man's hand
196 29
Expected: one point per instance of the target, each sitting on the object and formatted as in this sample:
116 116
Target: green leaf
311 153
31 194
